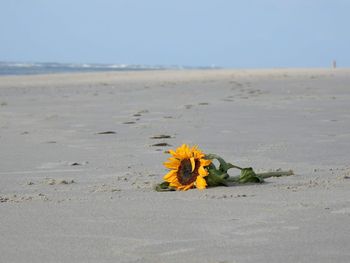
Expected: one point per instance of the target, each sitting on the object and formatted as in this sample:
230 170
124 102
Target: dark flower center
185 175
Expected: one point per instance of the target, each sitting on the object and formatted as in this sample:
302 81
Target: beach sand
78 164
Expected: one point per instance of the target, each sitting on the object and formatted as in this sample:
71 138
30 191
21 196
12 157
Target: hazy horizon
228 34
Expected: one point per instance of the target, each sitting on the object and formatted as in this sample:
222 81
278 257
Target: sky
223 33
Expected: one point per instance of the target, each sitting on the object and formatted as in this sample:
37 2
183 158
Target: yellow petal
194 148
193 163
205 162
171 166
182 148
201 183
172 163
188 186
202 171
171 176
175 154
172 159
175 184
185 150
180 187
181 152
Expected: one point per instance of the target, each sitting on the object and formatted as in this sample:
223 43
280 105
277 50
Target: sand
80 154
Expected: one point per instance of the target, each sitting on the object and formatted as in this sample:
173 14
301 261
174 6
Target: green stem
232 179
235 166
235 179
275 174
222 162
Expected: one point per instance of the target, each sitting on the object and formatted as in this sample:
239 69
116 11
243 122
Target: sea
34 68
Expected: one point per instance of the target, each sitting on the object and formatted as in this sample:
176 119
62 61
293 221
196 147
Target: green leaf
249 176
223 165
212 166
163 187
214 178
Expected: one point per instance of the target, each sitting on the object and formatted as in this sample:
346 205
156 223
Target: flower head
187 168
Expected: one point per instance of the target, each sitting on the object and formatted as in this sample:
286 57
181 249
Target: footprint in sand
161 136
107 132
129 122
139 113
161 144
188 106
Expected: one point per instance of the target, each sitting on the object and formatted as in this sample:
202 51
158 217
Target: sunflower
187 168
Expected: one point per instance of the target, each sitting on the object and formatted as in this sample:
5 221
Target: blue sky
226 33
